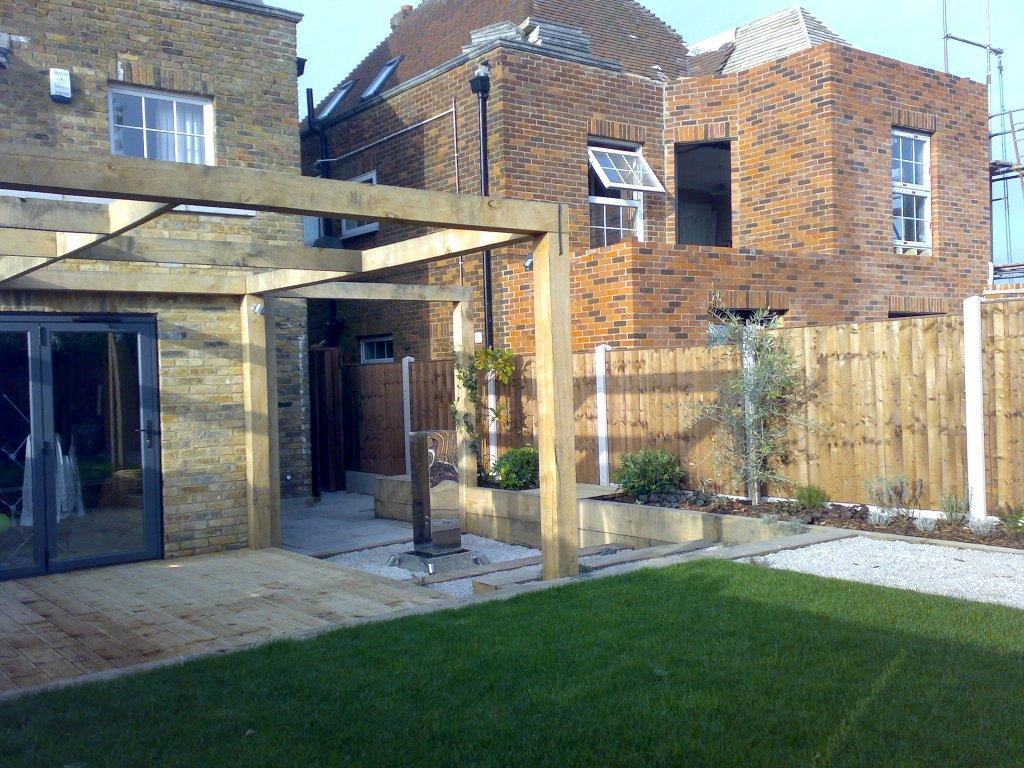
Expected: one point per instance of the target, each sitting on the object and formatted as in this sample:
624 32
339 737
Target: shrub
811 497
897 498
925 523
518 469
880 516
643 474
983 527
955 509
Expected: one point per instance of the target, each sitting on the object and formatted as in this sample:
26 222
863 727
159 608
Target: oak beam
259 390
380 292
279 280
53 215
436 246
126 282
559 515
122 215
75 172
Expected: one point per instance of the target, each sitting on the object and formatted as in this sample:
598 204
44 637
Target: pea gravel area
988 577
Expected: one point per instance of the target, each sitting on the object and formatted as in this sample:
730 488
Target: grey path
341 522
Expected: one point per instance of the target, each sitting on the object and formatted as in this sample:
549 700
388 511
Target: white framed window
624 169
337 98
911 189
377 349
161 126
354 227
385 72
617 181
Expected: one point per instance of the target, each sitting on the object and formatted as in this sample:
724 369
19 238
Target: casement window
377 349
618 179
385 72
354 227
161 126
911 189
704 194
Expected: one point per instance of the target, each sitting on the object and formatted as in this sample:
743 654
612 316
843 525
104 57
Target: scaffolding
1006 131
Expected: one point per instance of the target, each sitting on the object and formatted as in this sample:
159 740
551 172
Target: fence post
407 412
974 406
492 422
601 371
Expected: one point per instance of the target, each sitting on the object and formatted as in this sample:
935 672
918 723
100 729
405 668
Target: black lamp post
480 84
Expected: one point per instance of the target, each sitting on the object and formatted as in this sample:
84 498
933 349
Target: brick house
773 166
143 391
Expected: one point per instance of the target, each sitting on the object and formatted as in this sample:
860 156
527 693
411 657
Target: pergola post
464 345
559 518
259 383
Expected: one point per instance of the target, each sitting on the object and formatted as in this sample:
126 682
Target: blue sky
335 35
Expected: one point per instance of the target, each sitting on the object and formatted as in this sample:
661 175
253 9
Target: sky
335 35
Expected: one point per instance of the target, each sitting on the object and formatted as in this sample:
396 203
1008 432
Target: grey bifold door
79 442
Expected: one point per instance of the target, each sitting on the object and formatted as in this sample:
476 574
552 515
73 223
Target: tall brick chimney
399 17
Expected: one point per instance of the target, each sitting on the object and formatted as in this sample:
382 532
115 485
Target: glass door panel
96 466
21 500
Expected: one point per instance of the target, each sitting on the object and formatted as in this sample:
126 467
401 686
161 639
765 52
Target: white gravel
375 560
989 577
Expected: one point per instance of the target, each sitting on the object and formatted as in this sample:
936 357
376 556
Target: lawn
707 663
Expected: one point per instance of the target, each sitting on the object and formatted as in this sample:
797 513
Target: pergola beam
127 282
436 246
53 215
381 292
130 178
280 280
122 216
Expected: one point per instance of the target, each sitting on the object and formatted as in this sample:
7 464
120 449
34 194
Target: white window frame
371 339
636 203
385 72
917 190
637 153
347 227
635 194
209 156
339 96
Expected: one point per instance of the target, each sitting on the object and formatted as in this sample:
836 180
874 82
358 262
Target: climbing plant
484 366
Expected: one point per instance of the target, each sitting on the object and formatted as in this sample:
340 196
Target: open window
617 181
704 194
354 227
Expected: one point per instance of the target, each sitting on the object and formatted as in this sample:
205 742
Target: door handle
149 432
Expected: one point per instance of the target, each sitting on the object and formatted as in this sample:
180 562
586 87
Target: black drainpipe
480 83
322 169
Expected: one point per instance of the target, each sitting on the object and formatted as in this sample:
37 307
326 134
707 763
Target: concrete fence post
974 406
601 372
492 422
407 412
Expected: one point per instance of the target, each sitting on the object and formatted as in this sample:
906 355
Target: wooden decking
62 626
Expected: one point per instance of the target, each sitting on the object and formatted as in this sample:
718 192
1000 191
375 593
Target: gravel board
375 560
989 577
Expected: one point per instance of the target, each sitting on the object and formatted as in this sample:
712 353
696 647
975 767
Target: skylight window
337 98
382 76
623 169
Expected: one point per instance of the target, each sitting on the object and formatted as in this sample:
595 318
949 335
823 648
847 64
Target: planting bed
834 515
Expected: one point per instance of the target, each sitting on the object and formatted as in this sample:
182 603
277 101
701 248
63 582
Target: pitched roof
435 32
773 37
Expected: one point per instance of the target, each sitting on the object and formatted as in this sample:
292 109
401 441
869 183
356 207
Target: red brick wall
811 191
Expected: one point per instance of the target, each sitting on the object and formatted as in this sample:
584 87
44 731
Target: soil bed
835 515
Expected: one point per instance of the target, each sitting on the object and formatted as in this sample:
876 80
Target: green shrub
896 498
811 497
518 469
646 473
956 509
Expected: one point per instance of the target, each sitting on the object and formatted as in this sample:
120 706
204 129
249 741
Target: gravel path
989 577
375 560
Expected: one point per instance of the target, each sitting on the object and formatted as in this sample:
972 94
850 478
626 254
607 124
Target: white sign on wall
60 85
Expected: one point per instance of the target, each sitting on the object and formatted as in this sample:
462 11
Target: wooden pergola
36 235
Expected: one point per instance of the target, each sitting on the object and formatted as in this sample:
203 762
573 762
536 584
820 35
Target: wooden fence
889 401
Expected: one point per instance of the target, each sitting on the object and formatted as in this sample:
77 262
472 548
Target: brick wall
811 191
245 62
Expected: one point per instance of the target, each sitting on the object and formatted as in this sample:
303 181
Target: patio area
62 626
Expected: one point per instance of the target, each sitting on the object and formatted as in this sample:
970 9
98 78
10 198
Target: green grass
709 663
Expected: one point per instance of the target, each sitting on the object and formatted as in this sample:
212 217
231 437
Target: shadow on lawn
709 663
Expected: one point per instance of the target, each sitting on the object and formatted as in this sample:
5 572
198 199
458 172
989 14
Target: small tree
755 409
